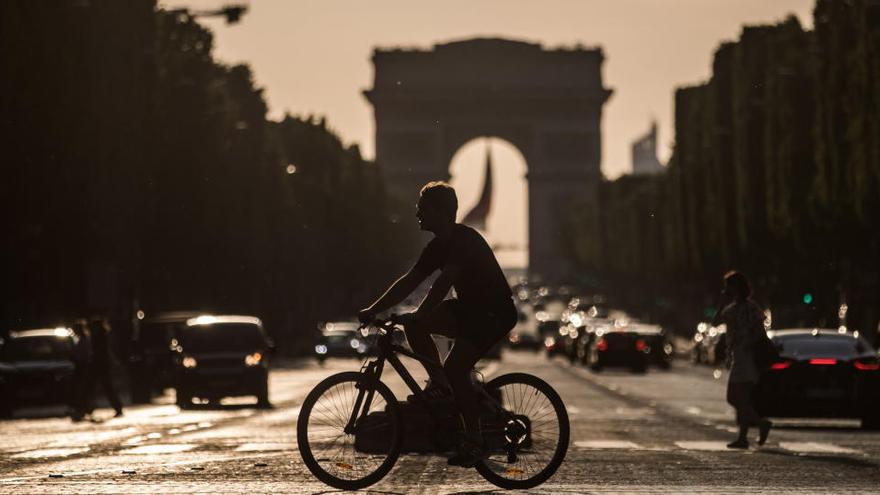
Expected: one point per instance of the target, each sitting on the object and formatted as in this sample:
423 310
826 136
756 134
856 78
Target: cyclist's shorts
482 326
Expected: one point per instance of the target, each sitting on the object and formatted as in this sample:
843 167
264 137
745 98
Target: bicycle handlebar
387 324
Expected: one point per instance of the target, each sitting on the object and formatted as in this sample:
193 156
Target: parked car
659 347
221 356
619 346
341 339
151 356
36 368
822 373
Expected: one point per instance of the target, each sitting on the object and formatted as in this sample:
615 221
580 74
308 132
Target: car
151 356
659 347
36 367
821 373
619 346
341 339
219 356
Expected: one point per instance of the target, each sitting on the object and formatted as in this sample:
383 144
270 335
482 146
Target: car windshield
825 346
221 337
36 349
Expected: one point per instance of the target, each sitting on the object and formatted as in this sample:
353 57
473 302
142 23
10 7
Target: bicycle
351 429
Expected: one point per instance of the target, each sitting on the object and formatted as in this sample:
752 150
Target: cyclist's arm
439 289
398 291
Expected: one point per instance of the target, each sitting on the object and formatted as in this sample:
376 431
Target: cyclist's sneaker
470 451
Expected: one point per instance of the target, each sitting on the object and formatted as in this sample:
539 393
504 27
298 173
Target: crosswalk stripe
817 448
607 444
704 445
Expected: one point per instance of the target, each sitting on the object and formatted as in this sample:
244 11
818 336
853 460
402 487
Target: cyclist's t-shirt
480 281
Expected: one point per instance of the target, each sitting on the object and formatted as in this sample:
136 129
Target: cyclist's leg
440 321
458 366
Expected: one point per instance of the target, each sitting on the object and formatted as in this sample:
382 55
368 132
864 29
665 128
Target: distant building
644 154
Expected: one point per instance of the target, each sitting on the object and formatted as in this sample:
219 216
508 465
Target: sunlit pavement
662 432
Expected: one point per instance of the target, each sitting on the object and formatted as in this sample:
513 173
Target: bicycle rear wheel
358 456
528 441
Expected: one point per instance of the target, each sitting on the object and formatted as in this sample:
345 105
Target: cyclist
480 315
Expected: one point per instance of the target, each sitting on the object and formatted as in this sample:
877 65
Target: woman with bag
745 341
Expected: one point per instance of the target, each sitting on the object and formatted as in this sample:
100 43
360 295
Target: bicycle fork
372 371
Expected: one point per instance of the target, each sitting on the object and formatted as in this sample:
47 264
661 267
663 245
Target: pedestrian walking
82 358
99 371
744 320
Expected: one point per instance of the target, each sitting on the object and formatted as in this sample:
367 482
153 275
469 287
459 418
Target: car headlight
253 359
321 349
189 362
354 343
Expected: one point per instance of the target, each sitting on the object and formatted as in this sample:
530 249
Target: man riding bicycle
480 315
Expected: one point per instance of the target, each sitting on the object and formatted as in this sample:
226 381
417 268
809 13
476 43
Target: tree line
775 171
143 174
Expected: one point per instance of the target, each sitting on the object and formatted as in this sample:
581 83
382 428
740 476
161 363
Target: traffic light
808 298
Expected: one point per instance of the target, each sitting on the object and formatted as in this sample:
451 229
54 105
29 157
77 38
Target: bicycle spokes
525 438
338 416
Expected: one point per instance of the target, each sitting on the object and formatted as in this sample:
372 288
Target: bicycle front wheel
528 439
349 432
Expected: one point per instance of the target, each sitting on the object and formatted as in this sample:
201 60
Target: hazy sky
313 57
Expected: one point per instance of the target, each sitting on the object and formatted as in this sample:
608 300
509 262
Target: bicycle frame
388 351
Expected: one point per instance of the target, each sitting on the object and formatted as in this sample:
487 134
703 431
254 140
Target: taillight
602 345
859 365
823 361
640 345
780 366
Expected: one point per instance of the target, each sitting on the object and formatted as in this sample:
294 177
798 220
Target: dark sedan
341 339
36 367
659 347
222 356
619 346
151 357
822 373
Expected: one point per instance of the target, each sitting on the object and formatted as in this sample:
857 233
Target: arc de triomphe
547 103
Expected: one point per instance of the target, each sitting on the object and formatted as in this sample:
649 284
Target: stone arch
547 103
507 221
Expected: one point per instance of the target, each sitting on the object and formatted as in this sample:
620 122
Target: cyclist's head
437 205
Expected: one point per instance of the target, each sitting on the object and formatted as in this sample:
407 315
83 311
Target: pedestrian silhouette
744 320
99 369
82 358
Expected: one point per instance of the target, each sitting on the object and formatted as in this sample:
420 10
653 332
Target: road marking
705 446
265 447
172 448
817 448
607 444
41 453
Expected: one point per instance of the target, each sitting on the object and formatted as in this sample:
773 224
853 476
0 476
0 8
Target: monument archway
547 103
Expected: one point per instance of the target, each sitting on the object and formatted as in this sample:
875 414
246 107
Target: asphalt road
662 432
